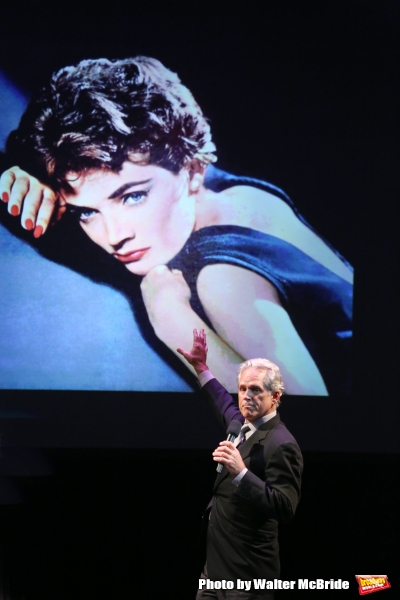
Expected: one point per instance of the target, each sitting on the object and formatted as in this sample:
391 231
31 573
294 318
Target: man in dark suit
260 484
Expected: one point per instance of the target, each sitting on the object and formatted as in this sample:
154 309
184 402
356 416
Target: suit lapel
258 436
246 449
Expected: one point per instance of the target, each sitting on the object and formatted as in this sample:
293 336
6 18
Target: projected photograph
121 232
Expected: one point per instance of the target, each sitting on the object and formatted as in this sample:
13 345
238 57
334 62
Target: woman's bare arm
166 296
247 315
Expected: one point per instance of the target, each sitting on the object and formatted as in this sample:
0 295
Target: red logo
372 583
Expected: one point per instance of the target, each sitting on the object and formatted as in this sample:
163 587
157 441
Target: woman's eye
82 214
134 197
86 214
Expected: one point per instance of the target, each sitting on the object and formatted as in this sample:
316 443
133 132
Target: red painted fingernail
5 197
29 224
14 211
38 231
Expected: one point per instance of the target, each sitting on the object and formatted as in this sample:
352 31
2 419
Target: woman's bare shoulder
251 207
247 206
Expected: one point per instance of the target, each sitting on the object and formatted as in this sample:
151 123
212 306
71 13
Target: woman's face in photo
143 215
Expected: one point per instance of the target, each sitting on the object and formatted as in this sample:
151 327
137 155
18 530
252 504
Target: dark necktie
243 432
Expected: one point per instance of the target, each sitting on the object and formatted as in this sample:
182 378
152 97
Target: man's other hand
229 456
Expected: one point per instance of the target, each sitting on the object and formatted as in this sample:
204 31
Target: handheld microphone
233 431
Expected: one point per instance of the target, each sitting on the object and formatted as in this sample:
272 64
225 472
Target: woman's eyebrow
125 187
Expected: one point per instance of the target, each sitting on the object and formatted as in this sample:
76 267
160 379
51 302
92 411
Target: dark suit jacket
242 537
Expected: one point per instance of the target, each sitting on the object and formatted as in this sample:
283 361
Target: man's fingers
185 355
201 335
228 444
220 454
221 457
223 451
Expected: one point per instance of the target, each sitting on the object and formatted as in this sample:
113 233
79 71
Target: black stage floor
125 524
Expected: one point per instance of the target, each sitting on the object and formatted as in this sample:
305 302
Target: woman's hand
28 197
165 293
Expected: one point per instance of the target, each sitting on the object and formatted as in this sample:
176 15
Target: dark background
303 94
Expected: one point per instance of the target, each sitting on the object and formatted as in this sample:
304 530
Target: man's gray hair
273 379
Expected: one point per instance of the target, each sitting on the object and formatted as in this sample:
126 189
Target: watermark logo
372 583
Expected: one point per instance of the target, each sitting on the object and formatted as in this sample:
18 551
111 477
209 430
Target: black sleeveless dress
318 302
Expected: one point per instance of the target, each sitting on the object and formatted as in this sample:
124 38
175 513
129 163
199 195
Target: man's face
254 400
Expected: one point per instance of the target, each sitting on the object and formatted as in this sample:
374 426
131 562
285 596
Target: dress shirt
204 378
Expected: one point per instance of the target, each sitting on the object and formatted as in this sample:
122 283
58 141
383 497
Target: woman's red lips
131 256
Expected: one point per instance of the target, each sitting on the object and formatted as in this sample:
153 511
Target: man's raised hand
197 356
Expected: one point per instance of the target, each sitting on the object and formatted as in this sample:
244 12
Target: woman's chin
137 269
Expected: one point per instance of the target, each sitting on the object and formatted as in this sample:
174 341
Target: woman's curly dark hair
103 112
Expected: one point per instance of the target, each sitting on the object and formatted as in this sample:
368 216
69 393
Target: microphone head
234 428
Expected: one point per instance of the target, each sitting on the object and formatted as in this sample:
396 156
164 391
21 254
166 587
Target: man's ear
196 175
275 397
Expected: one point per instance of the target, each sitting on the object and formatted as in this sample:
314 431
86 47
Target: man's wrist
239 476
201 368
205 377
